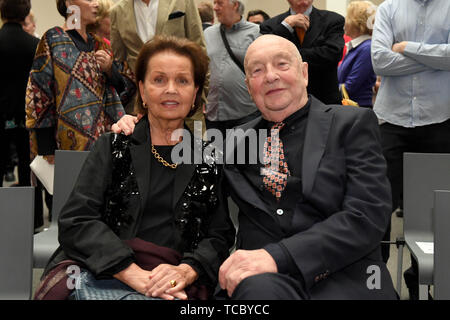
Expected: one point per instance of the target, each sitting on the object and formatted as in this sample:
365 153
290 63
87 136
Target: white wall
46 15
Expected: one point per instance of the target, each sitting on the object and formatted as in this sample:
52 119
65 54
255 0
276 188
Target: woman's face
168 89
88 10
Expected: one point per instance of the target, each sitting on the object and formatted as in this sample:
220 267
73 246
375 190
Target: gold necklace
161 159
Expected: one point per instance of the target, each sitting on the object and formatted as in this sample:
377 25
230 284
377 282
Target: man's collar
306 13
357 41
235 26
293 117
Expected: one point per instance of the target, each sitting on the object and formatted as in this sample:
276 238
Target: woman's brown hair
181 46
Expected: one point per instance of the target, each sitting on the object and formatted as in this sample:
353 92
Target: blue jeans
89 288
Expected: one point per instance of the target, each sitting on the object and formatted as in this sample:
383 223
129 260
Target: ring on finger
173 283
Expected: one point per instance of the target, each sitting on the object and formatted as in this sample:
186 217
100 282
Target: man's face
276 77
225 11
300 6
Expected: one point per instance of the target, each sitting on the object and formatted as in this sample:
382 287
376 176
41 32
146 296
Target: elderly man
310 229
229 103
318 35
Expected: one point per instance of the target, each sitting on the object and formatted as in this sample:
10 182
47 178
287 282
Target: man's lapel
317 130
140 157
314 28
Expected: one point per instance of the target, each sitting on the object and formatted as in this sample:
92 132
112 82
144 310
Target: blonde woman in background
356 71
102 25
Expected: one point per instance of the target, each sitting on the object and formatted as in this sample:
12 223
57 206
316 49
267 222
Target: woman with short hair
356 71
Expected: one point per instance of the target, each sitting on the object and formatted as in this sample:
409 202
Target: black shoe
10 177
399 213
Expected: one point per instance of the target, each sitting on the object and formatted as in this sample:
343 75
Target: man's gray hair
241 7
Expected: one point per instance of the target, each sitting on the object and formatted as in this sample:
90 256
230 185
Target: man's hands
242 264
399 47
298 21
126 124
157 283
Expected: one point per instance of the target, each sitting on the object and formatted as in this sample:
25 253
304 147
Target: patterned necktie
300 34
275 172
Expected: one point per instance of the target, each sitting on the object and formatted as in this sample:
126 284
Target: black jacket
17 49
86 238
330 230
322 48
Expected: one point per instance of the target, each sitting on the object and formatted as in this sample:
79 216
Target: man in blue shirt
411 53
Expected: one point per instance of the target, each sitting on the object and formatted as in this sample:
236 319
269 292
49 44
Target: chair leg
423 292
399 270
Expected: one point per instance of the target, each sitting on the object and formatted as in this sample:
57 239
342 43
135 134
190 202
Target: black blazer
335 237
322 48
85 238
17 49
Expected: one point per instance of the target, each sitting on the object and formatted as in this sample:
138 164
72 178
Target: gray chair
422 174
441 225
67 167
16 242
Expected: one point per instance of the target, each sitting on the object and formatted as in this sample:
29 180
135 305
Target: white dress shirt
146 16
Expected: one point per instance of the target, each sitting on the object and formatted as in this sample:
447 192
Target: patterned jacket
67 91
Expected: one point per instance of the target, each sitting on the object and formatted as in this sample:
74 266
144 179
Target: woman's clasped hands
165 281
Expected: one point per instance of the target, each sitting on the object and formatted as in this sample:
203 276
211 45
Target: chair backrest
441 244
67 168
16 242
422 174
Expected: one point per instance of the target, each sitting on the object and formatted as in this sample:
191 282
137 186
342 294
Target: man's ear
305 72
248 86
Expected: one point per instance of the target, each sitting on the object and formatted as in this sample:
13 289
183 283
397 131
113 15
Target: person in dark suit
139 225
318 35
311 222
16 56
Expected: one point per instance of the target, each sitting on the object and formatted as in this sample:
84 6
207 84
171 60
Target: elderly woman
137 223
356 71
75 90
102 25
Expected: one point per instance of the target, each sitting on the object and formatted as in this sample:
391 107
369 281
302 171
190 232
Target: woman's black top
157 224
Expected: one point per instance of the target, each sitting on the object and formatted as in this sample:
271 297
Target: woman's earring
144 105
